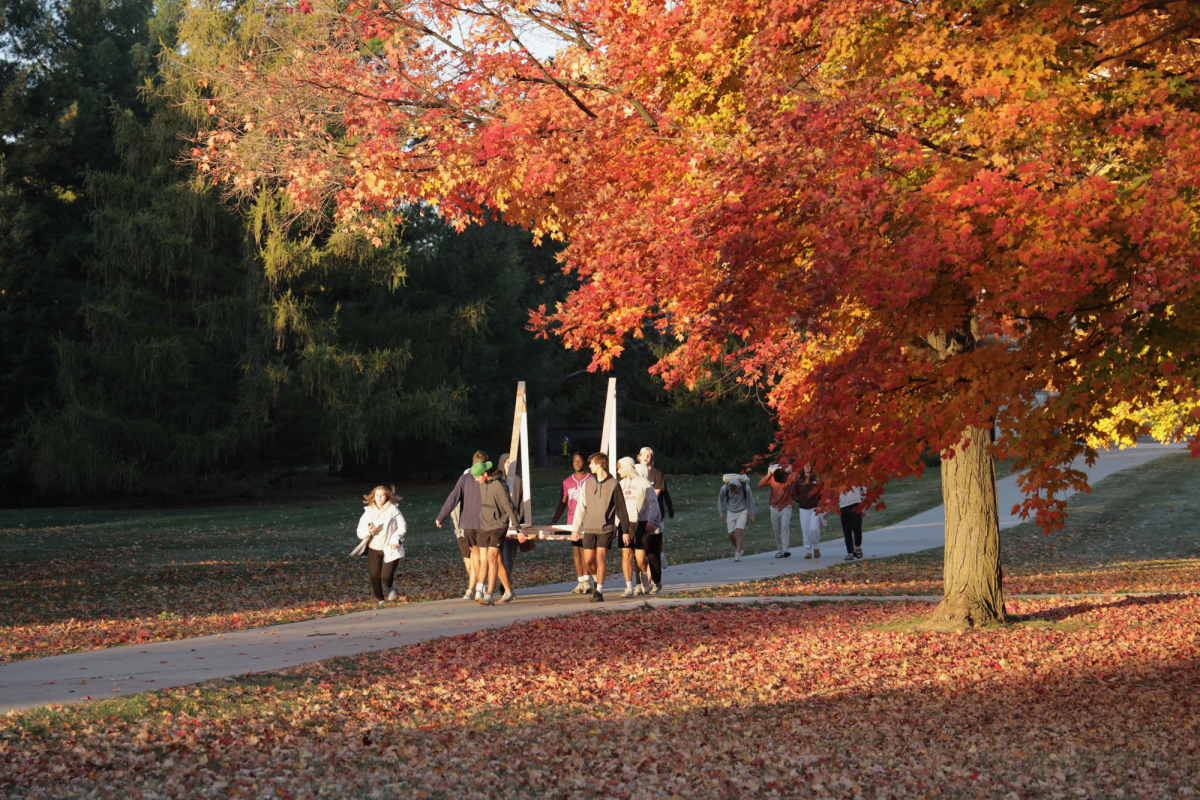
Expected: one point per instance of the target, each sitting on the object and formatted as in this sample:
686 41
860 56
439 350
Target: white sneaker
581 587
654 587
485 599
737 555
391 595
469 594
507 598
639 589
629 591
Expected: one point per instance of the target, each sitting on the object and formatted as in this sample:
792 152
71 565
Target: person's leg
589 561
375 568
848 529
856 524
508 563
464 550
739 540
493 568
388 578
775 519
479 559
785 528
654 545
601 567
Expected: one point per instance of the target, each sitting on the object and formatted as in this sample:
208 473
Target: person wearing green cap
464 499
496 516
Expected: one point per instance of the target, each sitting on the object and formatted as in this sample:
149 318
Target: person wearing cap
735 504
642 505
572 485
463 507
646 468
601 507
780 479
496 517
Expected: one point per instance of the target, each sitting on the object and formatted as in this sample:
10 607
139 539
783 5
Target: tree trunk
973 593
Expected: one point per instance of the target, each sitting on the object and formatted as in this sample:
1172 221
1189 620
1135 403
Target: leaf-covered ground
1138 531
1084 698
74 579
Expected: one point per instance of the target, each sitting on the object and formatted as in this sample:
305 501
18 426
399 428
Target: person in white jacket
381 530
642 503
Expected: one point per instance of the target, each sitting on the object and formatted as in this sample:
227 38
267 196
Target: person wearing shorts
496 516
642 504
462 506
571 488
601 508
511 546
735 505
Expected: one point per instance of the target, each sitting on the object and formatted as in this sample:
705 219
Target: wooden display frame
519 458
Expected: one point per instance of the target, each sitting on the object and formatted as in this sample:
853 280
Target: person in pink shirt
571 487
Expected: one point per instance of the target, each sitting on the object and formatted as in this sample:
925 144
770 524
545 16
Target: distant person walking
601 508
496 516
572 486
463 503
646 540
381 531
806 492
735 505
779 478
850 505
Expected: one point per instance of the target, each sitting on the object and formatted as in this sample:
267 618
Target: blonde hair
369 497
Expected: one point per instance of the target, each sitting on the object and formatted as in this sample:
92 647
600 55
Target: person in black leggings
850 504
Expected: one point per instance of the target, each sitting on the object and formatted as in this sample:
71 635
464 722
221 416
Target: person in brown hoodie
601 506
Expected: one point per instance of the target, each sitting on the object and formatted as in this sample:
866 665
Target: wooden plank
608 434
526 510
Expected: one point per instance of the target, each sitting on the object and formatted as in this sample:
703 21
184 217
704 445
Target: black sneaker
787 553
597 596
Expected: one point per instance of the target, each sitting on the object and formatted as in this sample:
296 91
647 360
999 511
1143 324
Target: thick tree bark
973 593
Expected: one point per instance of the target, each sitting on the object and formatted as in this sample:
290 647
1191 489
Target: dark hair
779 475
581 454
479 456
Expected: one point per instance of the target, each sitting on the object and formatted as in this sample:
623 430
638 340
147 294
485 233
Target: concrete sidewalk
103 674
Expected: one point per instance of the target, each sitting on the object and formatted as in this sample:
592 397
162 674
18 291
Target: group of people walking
787 489
625 510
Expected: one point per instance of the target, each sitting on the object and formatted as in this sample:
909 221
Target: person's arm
765 480
562 506
363 531
622 511
654 521
397 529
580 513
456 496
504 503
666 498
721 495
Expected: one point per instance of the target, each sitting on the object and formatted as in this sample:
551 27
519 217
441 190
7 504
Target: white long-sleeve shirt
390 526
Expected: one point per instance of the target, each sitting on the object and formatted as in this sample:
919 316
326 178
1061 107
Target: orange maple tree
961 226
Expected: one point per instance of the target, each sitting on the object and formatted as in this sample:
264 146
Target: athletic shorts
597 541
736 519
471 537
464 548
638 540
492 538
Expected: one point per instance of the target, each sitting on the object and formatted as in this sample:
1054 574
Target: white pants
781 523
810 526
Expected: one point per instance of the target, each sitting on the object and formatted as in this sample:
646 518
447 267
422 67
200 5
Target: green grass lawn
74 578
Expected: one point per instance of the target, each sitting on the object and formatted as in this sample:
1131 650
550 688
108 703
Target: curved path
103 674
